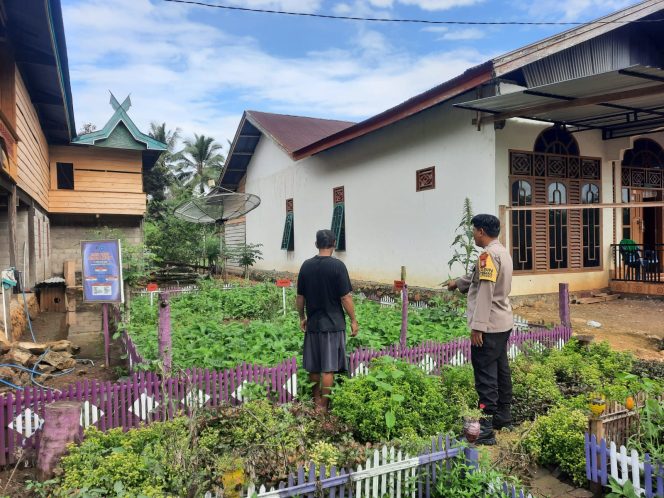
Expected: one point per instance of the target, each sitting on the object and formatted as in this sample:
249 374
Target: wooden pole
107 336
31 277
62 425
165 347
404 310
11 218
563 304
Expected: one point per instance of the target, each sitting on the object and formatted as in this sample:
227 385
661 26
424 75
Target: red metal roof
294 132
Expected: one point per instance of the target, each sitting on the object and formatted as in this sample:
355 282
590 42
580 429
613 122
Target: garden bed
218 328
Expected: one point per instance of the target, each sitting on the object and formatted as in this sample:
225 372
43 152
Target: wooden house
55 187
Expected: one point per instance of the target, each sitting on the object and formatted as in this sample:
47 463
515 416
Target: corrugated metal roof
295 132
610 100
289 132
544 48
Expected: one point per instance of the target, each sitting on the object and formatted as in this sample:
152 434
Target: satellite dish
219 206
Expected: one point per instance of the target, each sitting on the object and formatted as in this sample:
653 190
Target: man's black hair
325 239
488 222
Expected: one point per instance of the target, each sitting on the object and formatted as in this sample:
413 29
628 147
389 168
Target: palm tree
160 177
200 161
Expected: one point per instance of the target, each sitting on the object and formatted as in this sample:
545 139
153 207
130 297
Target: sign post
102 279
404 307
283 283
152 287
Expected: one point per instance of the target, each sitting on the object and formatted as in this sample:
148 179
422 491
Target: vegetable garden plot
213 328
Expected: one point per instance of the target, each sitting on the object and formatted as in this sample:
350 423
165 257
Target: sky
198 68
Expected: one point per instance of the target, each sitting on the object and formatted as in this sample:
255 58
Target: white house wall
388 223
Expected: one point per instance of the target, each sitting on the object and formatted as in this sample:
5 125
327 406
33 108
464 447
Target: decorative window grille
558 236
339 218
556 140
522 226
288 237
426 179
591 224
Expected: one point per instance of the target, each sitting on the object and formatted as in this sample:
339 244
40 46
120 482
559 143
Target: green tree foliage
158 180
199 161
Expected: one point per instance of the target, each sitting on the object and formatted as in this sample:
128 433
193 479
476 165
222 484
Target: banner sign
102 271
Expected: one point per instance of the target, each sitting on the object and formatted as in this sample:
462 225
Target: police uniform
489 311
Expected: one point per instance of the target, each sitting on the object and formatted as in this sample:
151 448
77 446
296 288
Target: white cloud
285 5
440 4
464 34
197 77
575 10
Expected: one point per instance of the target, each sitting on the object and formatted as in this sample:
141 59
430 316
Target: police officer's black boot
502 419
487 435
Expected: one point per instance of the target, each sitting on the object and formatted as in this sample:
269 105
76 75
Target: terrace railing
638 262
605 460
388 473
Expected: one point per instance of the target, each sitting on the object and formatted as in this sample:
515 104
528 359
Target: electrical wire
14 386
411 21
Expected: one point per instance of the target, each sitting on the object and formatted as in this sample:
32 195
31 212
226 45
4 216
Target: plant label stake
283 283
152 288
164 332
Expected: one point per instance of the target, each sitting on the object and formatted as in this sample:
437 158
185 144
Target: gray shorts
325 352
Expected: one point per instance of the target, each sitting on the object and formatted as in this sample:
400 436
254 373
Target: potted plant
471 423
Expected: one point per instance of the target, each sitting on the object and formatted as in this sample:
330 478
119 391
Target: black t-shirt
323 280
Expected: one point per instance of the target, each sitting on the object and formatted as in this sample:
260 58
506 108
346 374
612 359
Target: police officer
490 320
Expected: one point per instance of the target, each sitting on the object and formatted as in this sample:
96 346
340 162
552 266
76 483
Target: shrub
459 479
394 399
535 390
652 369
151 462
459 385
557 439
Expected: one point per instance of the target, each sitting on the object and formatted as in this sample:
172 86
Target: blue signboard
102 271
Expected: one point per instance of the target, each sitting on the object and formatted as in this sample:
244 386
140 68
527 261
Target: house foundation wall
68 232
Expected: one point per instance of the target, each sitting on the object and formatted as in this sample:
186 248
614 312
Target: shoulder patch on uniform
487 268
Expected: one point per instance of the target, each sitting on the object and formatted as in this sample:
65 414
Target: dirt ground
629 324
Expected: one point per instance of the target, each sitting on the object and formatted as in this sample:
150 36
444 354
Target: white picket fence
604 462
388 473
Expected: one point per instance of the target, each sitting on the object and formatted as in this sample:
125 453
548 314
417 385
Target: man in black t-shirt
323 286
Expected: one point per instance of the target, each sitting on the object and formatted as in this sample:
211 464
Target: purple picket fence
144 398
432 356
605 460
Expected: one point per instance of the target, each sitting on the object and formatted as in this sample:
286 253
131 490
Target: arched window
556 140
557 194
646 153
522 226
591 226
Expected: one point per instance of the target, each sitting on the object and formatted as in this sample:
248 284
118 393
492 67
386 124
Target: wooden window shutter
575 230
288 239
339 226
540 228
